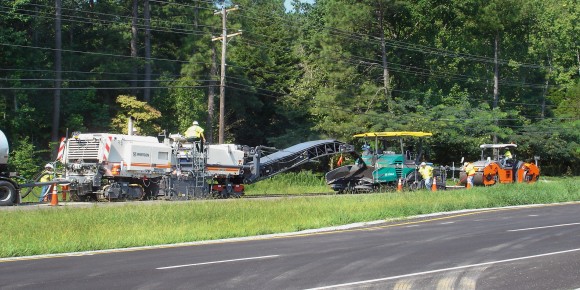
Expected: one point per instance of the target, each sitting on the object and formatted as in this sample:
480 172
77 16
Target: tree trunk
578 59
135 14
496 80
58 74
211 94
147 92
386 77
196 15
543 113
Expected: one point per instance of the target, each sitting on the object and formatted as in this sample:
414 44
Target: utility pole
224 39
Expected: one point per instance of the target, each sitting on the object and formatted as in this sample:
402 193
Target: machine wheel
237 194
411 183
7 193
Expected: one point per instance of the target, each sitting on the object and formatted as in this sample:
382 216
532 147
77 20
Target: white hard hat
465 164
423 163
48 165
195 123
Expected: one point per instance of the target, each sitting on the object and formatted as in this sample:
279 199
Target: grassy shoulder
290 183
68 229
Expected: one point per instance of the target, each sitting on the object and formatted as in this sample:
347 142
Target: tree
143 114
24 159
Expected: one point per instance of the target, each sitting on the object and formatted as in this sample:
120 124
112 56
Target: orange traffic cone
434 186
468 184
400 185
54 196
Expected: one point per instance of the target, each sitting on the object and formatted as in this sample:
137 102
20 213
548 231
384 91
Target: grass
68 229
34 194
290 183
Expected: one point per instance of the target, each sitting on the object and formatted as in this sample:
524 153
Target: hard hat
195 123
48 165
423 163
465 164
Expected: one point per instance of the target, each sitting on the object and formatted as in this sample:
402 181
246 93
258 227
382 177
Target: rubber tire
7 193
410 182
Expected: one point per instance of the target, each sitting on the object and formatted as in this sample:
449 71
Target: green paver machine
385 159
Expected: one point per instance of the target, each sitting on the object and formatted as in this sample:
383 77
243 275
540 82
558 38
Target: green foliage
143 114
187 103
316 72
24 159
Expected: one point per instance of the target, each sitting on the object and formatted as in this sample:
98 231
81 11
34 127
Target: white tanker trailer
9 188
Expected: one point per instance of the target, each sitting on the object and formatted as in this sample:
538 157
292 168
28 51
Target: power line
118 18
404 71
104 88
409 69
95 53
79 72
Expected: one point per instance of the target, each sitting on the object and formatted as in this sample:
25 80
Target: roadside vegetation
70 229
325 69
302 182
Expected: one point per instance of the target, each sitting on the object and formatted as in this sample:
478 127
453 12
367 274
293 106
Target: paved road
516 248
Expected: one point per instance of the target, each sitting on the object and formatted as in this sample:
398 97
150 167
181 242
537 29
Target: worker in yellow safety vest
194 132
46 176
469 169
507 159
507 154
426 172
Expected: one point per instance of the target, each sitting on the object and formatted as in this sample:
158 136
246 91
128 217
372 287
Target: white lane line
218 262
441 270
554 226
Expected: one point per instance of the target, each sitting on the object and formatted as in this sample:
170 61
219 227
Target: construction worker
426 172
507 155
195 133
469 169
46 176
366 149
507 158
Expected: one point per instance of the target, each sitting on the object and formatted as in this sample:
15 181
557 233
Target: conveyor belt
269 165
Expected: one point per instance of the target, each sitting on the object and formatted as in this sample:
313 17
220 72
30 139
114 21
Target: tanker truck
9 189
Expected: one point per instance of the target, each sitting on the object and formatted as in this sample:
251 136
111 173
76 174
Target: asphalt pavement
534 247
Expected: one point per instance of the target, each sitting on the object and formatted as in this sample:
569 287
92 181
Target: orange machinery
499 169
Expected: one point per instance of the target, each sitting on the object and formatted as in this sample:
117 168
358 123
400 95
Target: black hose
35 178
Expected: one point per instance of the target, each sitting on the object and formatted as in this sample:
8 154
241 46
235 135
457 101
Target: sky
288 3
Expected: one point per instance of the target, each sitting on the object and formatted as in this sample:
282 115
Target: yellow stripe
394 134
